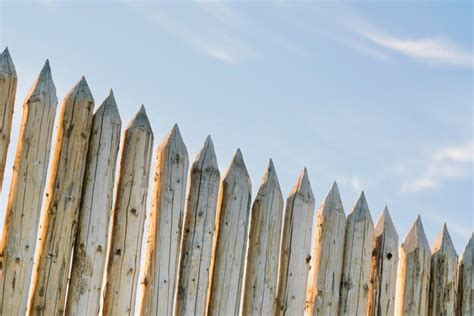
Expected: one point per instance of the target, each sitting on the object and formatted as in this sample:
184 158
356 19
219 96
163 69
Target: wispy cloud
353 182
445 164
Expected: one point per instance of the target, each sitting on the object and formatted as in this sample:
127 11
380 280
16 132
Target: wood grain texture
295 256
230 242
326 264
129 218
465 281
383 270
260 286
198 233
413 273
26 194
8 84
59 219
160 269
89 258
356 263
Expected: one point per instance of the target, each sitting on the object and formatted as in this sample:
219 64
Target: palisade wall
216 252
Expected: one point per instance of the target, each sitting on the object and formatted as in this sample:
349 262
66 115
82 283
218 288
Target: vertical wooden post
26 194
198 233
465 283
356 263
295 253
413 273
444 261
166 227
384 262
8 82
129 218
326 265
88 263
260 287
59 221
231 242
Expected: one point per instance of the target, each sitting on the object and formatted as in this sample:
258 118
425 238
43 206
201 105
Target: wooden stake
260 286
166 226
326 266
129 218
465 283
8 82
413 273
295 254
88 264
444 261
356 263
198 233
59 221
230 242
383 271
26 194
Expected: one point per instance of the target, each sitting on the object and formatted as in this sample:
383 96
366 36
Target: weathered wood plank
129 218
8 83
295 253
160 273
231 243
26 194
198 233
261 277
413 273
356 263
90 249
444 261
465 283
59 219
384 263
326 264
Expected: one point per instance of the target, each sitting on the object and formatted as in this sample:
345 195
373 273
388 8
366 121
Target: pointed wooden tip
175 139
6 63
444 243
43 88
237 167
270 176
303 185
141 121
80 92
332 203
46 71
109 108
416 237
469 249
206 158
360 210
385 224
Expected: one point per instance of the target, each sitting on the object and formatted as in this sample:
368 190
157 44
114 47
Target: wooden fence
210 251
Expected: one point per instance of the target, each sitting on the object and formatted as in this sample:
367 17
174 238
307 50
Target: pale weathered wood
413 273
160 267
261 277
444 261
59 219
465 281
356 263
26 194
295 255
129 218
90 249
383 271
326 264
8 83
231 243
198 233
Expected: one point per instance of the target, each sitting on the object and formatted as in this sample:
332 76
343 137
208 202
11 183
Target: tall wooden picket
356 263
444 261
198 233
160 269
384 263
261 277
8 83
90 250
230 242
296 248
326 265
59 220
465 281
413 273
129 218
26 194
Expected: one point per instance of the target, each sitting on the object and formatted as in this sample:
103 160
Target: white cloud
354 182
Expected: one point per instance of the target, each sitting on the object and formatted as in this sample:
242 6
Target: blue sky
378 96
